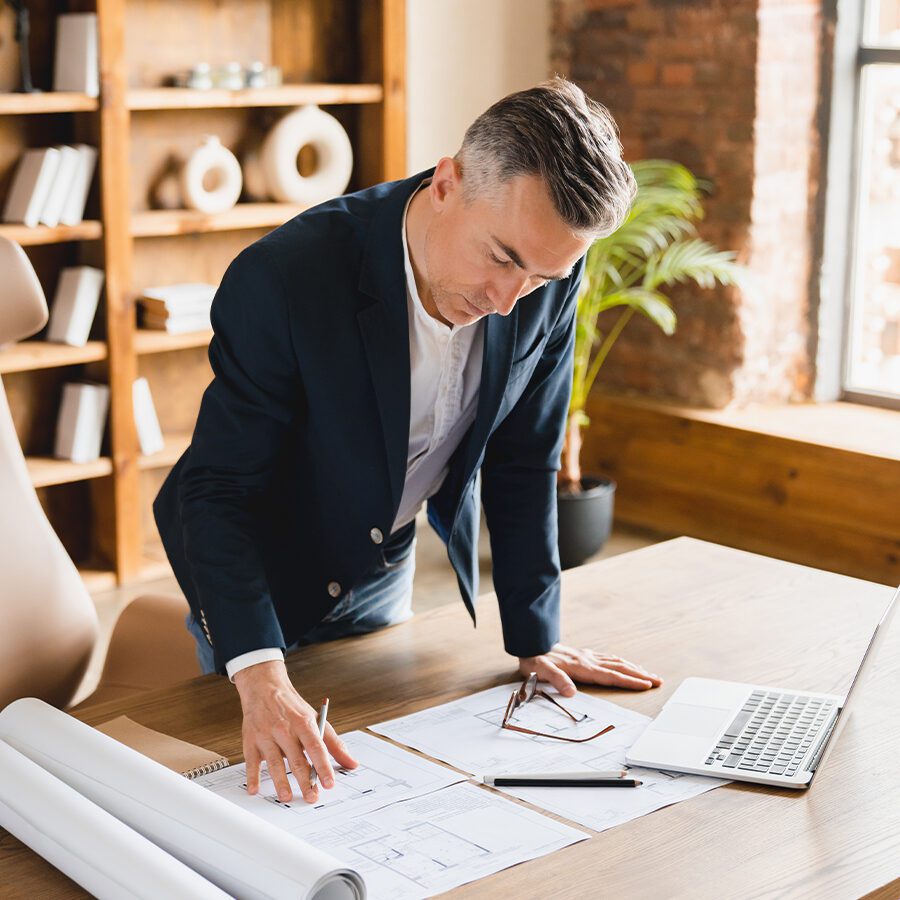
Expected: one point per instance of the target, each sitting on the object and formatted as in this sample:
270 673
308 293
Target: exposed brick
642 73
645 18
678 74
730 89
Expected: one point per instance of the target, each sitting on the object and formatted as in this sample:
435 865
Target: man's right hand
279 724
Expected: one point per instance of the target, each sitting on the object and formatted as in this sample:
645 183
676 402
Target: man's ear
446 183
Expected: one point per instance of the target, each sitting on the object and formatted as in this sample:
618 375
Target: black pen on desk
323 716
563 779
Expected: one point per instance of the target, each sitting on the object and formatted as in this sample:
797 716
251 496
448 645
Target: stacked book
177 308
51 186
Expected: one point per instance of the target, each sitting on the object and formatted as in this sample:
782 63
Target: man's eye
500 262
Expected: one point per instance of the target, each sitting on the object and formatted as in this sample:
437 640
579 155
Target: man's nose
505 294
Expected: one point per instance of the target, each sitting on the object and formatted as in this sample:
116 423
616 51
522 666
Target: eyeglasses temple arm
559 705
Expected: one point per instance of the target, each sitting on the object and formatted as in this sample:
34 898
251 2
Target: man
373 353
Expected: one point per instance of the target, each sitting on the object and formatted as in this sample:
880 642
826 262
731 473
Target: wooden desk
684 607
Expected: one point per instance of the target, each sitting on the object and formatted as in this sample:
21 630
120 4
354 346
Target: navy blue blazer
300 446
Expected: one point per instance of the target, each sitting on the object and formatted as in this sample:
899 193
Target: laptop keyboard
772 733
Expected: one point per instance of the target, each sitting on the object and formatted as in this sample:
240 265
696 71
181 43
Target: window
872 324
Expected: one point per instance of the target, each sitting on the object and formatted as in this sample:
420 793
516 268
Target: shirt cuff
245 660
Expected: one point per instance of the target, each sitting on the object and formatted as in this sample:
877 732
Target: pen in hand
323 715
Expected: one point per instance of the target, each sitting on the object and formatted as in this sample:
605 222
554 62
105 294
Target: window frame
852 56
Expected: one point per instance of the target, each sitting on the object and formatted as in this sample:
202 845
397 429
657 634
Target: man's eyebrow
518 261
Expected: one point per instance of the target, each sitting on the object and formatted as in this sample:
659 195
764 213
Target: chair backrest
48 623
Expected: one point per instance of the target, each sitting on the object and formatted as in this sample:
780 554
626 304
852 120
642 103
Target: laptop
748 732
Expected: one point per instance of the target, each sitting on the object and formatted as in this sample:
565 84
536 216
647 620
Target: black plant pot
585 520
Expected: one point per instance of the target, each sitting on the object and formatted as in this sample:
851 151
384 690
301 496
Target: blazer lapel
385 329
387 351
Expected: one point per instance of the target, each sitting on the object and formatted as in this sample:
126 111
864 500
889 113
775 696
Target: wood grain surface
682 608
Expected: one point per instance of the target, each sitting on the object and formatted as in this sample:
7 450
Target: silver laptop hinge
823 740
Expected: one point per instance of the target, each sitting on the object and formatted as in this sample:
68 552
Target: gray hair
557 132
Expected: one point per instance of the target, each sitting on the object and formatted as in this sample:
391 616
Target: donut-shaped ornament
211 179
308 126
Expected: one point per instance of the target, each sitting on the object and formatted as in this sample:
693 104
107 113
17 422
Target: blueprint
439 841
412 828
386 774
466 733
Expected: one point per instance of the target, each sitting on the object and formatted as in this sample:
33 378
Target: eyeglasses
528 691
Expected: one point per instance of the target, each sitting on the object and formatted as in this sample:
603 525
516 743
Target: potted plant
656 247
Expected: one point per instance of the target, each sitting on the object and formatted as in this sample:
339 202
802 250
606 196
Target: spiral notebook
179 756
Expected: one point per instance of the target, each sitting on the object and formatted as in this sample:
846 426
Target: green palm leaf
655 247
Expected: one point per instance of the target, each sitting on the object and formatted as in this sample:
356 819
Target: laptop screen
861 674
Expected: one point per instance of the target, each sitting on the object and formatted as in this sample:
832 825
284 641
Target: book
193 297
76 64
61 185
120 824
161 310
81 421
187 759
76 199
177 324
31 186
145 419
75 305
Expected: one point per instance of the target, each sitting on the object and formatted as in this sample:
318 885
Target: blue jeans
382 598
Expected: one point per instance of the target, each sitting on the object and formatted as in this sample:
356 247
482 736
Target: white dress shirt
445 375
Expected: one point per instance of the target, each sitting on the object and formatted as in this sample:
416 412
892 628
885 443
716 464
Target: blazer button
376 535
334 589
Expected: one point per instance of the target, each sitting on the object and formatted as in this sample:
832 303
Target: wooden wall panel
177 382
188 257
164 36
829 507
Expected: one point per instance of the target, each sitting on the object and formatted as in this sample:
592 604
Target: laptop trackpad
697 721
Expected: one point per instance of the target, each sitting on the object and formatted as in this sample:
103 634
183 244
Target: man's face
482 257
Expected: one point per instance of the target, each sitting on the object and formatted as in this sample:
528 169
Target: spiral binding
214 766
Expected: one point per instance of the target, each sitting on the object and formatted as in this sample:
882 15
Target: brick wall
730 88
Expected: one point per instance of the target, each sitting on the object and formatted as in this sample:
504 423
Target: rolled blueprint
93 848
304 127
243 855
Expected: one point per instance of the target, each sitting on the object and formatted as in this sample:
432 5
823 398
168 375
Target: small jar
256 75
200 77
231 77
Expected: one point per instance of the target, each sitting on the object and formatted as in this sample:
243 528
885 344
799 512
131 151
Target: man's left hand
562 666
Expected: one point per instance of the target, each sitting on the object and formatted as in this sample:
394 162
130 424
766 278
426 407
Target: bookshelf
51 102
347 56
170 222
33 237
286 95
30 355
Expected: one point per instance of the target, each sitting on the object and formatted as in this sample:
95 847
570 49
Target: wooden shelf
46 471
96 578
176 444
169 222
148 341
28 355
42 234
143 132
48 102
286 95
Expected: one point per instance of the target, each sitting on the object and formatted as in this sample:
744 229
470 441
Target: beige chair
48 624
